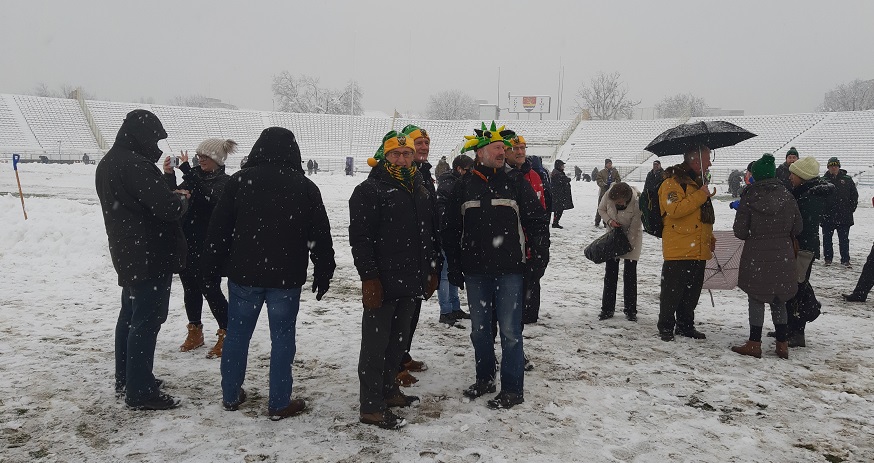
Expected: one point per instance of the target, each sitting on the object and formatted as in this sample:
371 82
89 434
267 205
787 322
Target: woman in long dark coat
561 193
767 220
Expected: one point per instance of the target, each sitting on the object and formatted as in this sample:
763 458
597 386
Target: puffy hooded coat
767 219
844 200
140 211
269 219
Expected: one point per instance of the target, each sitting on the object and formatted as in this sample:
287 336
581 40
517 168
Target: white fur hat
217 149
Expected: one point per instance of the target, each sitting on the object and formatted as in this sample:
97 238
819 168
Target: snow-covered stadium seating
12 135
34 125
54 120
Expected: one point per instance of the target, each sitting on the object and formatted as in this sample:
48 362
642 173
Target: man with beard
486 249
141 214
687 242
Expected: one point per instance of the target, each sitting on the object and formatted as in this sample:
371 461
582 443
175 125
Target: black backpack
651 212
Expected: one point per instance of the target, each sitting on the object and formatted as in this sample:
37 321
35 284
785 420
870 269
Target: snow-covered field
601 391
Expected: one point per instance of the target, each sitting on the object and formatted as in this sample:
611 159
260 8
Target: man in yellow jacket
687 242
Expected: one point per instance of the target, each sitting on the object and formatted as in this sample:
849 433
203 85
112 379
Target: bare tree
857 95
451 105
192 101
681 105
63 91
353 97
302 94
606 97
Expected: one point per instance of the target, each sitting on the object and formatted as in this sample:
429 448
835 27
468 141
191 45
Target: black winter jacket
269 218
393 234
813 197
783 175
844 202
445 184
206 189
562 199
140 211
485 218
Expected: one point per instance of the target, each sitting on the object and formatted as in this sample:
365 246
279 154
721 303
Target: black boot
605 314
854 297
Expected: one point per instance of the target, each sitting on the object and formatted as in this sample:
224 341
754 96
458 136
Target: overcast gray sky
764 57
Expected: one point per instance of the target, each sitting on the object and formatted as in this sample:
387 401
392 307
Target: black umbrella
682 138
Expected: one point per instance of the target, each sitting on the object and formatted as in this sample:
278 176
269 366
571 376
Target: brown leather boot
751 348
216 350
405 379
783 349
194 339
415 366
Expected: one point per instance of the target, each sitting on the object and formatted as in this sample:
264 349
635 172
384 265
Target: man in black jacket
485 248
447 293
269 219
783 169
141 214
840 212
394 246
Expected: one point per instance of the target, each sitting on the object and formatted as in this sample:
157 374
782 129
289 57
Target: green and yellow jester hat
484 137
390 141
415 132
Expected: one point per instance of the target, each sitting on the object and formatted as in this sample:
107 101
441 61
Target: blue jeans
501 295
447 293
144 308
828 251
244 306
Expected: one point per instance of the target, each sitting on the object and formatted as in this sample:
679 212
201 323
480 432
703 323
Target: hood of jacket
140 133
762 196
276 146
816 186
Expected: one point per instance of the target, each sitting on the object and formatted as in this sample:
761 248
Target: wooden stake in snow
15 159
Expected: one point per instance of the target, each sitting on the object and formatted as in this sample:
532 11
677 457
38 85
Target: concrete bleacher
108 115
56 122
849 136
621 141
12 135
34 125
774 134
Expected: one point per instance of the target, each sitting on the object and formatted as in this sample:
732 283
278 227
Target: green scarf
403 175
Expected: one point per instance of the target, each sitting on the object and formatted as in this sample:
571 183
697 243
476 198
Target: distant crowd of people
483 226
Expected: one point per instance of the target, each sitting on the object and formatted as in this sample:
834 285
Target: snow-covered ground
601 391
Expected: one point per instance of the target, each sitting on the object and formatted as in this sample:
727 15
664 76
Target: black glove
537 272
320 286
456 278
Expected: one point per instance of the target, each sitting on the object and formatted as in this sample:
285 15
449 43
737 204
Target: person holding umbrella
687 235
767 219
687 242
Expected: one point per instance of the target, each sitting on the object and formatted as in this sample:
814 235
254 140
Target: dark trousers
629 286
794 323
144 308
557 216
384 333
414 322
866 279
681 287
194 293
828 250
597 214
531 293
